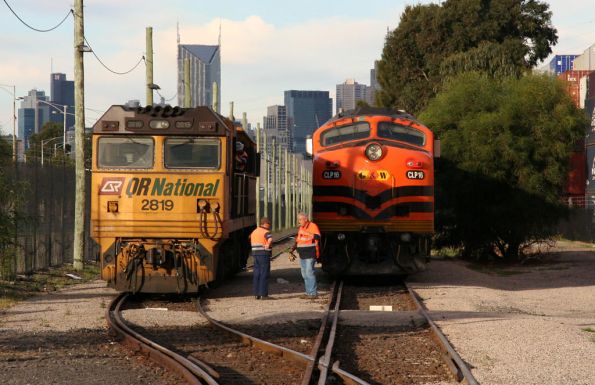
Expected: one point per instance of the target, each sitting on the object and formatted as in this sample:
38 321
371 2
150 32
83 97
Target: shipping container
572 80
590 169
575 184
590 112
561 63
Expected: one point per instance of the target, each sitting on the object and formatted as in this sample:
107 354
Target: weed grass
52 279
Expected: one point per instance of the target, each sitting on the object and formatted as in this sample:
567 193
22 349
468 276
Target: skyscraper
205 68
28 124
62 94
306 111
276 121
374 85
350 92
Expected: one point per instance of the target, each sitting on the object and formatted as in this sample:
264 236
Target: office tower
205 68
306 111
28 124
350 92
62 94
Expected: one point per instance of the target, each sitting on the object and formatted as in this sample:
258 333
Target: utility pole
149 67
231 117
215 97
79 137
244 121
187 97
288 223
274 192
258 152
266 175
278 176
14 124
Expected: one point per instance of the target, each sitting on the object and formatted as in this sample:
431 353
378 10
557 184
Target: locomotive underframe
374 252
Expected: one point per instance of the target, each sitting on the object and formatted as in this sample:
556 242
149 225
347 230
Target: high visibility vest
261 241
307 244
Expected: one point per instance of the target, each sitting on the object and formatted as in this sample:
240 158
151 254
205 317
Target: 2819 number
154 205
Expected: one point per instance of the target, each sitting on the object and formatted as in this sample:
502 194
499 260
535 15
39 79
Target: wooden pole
149 67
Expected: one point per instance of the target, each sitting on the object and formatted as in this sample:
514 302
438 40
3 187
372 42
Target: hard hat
239 146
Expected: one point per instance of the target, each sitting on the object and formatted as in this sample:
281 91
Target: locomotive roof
182 121
367 110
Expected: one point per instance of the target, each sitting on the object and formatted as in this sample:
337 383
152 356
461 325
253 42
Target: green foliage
505 149
5 152
497 37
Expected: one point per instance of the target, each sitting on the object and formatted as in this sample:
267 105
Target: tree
48 131
431 42
505 149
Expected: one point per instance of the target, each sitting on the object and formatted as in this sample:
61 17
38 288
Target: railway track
222 354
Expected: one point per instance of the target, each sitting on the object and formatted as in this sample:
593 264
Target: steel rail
248 340
191 369
319 337
307 361
452 359
324 363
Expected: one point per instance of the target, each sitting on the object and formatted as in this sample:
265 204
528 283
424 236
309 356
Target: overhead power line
33 28
109 69
167 100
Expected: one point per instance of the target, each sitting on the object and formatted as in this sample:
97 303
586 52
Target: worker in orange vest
306 243
261 241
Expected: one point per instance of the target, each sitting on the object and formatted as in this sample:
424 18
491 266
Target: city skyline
265 50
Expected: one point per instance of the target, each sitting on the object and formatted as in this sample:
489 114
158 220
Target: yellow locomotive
171 208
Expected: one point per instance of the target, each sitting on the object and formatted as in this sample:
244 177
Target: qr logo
111 186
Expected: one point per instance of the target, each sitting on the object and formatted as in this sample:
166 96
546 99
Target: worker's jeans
309 275
262 269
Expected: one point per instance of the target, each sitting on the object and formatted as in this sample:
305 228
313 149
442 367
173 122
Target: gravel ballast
520 325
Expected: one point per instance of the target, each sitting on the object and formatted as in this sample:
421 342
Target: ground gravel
528 324
62 338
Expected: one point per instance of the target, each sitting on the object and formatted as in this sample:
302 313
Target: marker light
374 151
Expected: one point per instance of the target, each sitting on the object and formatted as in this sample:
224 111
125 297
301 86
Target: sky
267 46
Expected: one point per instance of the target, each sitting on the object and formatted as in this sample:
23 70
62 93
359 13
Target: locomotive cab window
192 153
345 133
128 152
401 133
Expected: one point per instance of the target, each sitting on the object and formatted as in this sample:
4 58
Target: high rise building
350 92
374 85
205 68
62 94
276 123
306 111
28 124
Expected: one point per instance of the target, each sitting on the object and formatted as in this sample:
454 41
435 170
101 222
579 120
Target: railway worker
241 157
261 241
306 243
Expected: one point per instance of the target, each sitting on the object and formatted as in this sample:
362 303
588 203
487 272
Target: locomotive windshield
191 153
401 133
345 133
125 152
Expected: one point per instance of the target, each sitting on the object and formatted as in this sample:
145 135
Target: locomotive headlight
374 151
341 236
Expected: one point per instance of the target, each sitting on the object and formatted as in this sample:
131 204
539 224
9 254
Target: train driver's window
192 153
125 152
345 133
401 133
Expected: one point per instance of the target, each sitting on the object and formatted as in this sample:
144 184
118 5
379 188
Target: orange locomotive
373 195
